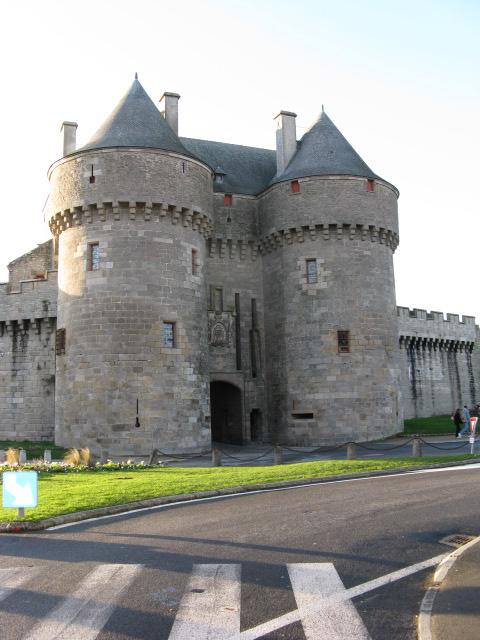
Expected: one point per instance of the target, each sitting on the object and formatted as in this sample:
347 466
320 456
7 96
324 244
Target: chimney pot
286 139
69 137
169 108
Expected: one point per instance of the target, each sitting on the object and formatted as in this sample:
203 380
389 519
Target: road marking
210 607
336 598
83 614
322 618
157 507
12 578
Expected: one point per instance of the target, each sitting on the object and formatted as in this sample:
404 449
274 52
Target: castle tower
329 227
131 211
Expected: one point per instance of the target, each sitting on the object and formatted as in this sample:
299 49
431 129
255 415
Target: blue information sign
20 489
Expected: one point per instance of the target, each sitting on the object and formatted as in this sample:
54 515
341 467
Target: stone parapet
174 214
34 300
433 329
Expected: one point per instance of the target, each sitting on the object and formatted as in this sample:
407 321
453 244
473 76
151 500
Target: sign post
20 490
473 430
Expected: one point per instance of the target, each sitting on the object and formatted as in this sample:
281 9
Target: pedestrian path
210 608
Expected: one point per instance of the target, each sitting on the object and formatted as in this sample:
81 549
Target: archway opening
226 408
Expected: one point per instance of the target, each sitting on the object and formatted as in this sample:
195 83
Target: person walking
466 421
457 421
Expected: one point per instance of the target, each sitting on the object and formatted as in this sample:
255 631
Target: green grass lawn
61 493
34 449
434 424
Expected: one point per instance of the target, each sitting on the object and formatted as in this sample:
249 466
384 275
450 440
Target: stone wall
315 393
439 362
32 265
235 267
27 359
151 210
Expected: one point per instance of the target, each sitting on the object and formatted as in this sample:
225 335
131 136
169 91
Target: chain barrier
398 446
227 455
301 453
317 450
179 456
435 446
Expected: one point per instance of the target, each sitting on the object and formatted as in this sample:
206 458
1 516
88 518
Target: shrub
12 456
72 457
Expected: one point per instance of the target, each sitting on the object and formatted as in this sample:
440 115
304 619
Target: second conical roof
136 122
322 151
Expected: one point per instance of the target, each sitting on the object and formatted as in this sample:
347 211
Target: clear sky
399 78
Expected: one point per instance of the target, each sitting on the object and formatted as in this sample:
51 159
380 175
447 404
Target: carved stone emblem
220 324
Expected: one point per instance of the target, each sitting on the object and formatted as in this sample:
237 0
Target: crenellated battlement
339 231
33 300
175 213
434 329
227 247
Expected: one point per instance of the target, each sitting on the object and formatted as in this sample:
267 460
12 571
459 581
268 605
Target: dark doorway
226 408
255 425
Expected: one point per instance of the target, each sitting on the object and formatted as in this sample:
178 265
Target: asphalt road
137 576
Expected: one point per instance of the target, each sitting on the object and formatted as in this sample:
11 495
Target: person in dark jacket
457 421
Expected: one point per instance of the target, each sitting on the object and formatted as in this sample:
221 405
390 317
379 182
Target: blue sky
400 80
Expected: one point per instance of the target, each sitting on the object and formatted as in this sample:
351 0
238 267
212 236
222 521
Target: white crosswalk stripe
210 607
83 614
12 578
335 620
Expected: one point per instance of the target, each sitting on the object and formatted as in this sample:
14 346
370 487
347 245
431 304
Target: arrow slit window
343 340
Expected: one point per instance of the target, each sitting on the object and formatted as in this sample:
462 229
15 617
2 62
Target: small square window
370 185
312 274
295 186
228 200
93 258
343 340
169 335
194 262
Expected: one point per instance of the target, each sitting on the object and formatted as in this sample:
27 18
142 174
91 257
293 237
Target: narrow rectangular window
312 275
194 262
217 298
169 335
60 340
370 185
227 200
92 177
295 186
93 258
343 339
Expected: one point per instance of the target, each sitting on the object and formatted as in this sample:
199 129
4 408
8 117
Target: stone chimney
286 139
69 137
169 109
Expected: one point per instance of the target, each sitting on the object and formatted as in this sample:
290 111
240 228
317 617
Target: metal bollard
216 457
3 456
22 458
277 455
417 448
351 451
47 456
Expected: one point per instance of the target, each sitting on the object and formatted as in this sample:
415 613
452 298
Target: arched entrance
226 408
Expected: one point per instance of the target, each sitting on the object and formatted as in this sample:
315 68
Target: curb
78 516
426 607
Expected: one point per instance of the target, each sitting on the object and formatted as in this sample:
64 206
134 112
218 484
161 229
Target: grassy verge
34 449
66 492
434 424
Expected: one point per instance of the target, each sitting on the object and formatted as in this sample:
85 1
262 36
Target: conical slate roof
324 151
136 122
